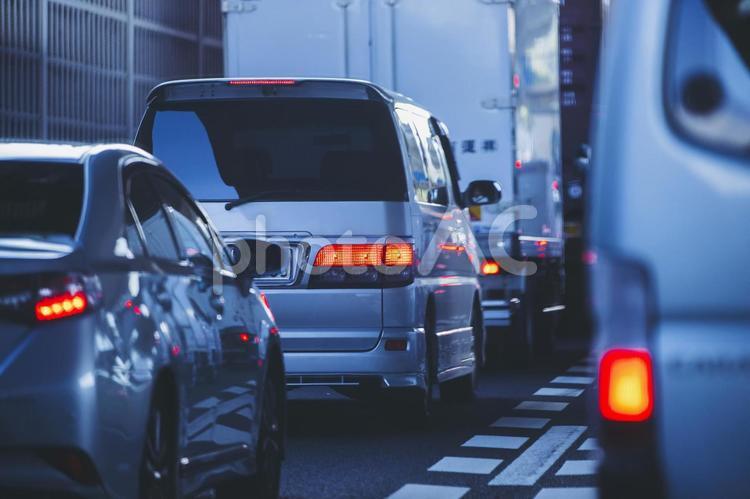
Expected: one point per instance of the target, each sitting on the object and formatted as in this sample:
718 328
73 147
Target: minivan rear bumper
385 368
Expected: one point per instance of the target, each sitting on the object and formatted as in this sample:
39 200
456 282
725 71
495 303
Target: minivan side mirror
480 192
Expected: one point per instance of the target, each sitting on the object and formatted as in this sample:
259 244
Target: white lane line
495 442
589 444
236 390
206 403
558 392
567 493
573 380
536 405
475 465
582 369
576 468
417 491
531 423
529 467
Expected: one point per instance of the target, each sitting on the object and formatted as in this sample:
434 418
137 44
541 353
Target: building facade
80 70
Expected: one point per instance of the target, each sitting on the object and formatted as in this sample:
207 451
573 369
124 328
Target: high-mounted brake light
490 268
365 255
626 387
261 82
60 306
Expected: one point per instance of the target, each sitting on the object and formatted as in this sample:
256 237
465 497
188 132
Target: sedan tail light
626 387
369 265
60 306
47 297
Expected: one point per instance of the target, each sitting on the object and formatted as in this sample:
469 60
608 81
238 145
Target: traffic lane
344 448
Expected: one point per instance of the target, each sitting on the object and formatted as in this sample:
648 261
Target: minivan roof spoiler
243 88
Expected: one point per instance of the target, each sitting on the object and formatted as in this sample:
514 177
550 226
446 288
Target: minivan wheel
419 402
463 389
158 473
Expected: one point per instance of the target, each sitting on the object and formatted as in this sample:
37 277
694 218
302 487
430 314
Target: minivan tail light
365 255
60 306
626 387
369 265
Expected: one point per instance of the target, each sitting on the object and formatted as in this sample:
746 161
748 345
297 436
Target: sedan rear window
279 149
40 199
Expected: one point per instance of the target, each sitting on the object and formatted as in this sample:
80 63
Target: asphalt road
339 447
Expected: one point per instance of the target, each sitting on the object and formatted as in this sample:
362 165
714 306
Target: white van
350 192
670 236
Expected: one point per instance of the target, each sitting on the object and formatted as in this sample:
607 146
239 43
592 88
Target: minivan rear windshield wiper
266 194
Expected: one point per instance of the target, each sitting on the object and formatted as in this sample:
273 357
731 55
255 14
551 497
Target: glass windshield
40 199
281 150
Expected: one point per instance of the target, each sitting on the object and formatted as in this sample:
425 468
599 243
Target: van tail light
369 265
490 267
47 297
61 306
626 386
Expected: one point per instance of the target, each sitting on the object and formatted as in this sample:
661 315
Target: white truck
457 58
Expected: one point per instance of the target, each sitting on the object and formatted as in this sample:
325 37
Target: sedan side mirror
482 192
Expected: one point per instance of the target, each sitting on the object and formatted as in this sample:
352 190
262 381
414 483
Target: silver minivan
670 238
342 200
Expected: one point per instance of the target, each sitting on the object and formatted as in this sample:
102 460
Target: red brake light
490 268
626 387
261 82
244 337
365 255
267 305
60 306
518 164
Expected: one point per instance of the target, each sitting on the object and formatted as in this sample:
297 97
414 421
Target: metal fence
80 70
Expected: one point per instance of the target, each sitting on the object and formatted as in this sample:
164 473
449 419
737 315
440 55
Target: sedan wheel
158 475
268 477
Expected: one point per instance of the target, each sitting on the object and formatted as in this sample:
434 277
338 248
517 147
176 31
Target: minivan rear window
279 149
40 199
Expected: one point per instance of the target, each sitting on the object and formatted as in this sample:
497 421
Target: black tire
266 482
518 347
270 451
158 475
418 403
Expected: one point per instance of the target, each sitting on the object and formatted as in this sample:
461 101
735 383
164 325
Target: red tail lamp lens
267 305
261 82
626 387
365 255
244 337
60 306
490 268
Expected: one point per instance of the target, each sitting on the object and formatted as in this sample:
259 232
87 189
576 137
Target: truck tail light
61 306
626 387
490 267
368 265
